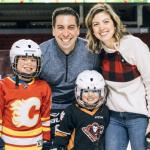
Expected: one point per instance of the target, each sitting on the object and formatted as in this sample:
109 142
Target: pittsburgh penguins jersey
82 129
24 114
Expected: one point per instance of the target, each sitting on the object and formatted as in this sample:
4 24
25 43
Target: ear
78 30
75 89
53 31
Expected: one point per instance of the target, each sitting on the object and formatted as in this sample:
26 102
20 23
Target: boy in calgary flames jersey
24 100
83 124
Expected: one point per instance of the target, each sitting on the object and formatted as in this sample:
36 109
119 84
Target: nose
65 33
90 93
28 61
101 27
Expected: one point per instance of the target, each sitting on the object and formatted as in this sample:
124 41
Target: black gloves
1 144
61 148
148 141
51 146
47 145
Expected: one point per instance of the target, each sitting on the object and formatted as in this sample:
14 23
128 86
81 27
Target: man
65 56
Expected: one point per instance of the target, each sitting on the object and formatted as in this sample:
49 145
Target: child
24 100
83 124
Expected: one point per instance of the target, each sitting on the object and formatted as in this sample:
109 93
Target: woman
125 67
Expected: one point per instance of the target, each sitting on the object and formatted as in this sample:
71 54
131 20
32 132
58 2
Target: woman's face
103 28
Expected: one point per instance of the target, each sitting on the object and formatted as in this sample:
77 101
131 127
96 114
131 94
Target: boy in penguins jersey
24 100
83 124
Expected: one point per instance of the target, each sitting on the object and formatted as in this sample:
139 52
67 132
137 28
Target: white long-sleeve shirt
132 96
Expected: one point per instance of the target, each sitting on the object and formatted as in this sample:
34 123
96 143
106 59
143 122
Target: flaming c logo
24 112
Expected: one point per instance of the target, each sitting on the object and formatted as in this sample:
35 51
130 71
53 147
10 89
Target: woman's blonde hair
95 44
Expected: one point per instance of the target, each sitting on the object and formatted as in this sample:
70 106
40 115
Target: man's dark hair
64 11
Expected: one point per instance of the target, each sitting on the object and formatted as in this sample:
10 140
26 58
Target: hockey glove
148 141
1 144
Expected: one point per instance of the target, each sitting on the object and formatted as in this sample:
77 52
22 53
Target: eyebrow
68 25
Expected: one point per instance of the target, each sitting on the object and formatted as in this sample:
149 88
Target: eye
106 21
33 60
85 91
71 27
95 24
22 59
60 27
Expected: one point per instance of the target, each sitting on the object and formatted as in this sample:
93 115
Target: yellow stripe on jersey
89 112
22 133
70 146
46 129
8 147
0 130
62 134
45 119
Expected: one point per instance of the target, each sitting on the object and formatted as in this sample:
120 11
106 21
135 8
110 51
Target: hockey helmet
25 48
90 80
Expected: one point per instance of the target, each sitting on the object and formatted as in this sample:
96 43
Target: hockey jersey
24 114
82 129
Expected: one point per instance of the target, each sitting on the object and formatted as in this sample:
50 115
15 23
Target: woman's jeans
123 127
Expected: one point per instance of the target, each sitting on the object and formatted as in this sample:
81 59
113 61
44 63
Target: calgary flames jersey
24 114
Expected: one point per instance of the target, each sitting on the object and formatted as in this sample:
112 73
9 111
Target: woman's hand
148 127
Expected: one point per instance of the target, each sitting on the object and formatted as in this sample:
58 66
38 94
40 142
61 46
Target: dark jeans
123 127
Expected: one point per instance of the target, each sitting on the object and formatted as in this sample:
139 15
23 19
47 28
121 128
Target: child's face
90 97
27 64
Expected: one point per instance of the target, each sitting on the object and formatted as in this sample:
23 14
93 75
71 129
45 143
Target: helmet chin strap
92 106
17 81
25 79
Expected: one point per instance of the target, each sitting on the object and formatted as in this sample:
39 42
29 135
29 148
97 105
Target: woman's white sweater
132 96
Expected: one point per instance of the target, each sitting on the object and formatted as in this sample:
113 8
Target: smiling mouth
28 69
66 40
103 33
91 99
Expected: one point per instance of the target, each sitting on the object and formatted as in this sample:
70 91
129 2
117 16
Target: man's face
66 32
